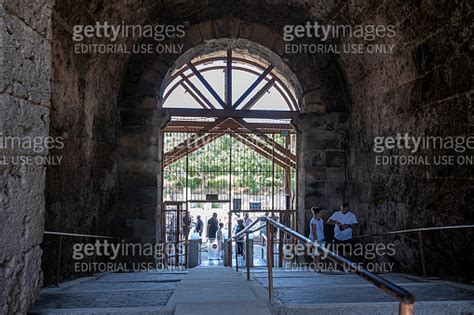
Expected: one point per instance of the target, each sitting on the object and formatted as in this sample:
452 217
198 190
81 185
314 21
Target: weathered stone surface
24 106
105 105
25 71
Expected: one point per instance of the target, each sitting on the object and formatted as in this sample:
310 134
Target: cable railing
419 232
405 298
60 248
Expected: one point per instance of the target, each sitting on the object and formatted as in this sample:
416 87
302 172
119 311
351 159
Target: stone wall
81 191
423 88
106 108
24 105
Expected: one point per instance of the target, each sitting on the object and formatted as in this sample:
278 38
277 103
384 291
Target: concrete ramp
216 290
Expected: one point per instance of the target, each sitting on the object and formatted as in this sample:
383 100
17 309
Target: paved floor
219 290
216 290
126 293
308 292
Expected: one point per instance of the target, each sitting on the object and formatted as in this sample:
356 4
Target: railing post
236 255
422 253
247 255
405 309
58 265
228 257
270 261
280 248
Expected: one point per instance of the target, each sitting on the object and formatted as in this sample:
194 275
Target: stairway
220 290
333 293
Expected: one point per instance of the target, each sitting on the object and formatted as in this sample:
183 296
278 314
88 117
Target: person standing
212 227
316 234
220 240
344 222
199 225
240 241
247 220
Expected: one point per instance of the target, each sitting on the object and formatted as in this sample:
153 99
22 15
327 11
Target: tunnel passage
105 107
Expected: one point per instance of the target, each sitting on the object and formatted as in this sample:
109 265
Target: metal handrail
79 235
60 247
405 298
419 232
433 228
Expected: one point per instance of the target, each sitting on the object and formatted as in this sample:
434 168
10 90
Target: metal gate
175 231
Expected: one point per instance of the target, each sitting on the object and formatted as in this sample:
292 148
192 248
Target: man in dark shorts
212 227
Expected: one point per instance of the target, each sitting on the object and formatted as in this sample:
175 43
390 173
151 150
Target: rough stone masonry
106 107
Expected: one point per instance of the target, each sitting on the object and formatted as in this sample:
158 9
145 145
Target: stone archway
319 90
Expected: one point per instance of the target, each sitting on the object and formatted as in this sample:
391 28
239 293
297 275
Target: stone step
387 308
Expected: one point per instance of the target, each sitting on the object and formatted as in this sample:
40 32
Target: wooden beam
196 145
190 91
228 79
266 139
253 86
186 143
264 114
206 84
258 95
202 124
257 149
198 92
282 158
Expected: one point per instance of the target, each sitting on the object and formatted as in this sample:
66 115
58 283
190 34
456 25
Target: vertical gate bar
422 254
186 237
247 254
236 255
178 221
297 176
280 248
273 177
229 243
186 222
230 178
270 261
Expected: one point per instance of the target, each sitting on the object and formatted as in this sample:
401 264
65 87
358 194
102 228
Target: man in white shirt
344 222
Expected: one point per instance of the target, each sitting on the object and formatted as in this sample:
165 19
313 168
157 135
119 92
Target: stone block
314 159
316 174
335 158
336 174
36 15
335 189
322 141
131 117
21 125
25 70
